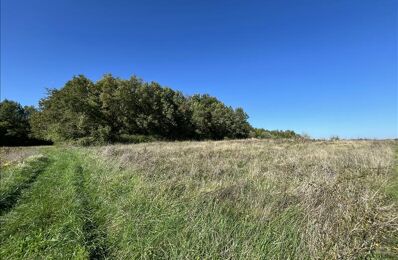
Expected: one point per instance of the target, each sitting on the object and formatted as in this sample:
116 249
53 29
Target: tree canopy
15 126
118 110
112 109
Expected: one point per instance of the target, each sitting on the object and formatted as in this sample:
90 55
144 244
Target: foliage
117 110
213 120
135 139
112 108
264 134
14 124
13 121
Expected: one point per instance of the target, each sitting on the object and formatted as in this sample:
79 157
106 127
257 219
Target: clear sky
320 67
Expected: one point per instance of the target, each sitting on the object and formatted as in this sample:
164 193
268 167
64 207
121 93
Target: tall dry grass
336 190
13 155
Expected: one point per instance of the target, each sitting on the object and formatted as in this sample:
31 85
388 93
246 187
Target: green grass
392 187
207 200
391 191
14 180
142 221
47 221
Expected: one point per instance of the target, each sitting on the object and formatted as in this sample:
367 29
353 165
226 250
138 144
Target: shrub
135 139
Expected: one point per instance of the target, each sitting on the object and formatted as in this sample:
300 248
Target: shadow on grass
8 202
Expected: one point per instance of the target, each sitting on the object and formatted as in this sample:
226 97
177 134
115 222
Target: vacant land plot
246 199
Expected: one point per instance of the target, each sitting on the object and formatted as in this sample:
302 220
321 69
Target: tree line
118 110
15 128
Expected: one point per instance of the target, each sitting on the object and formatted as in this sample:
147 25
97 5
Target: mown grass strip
16 179
95 239
47 221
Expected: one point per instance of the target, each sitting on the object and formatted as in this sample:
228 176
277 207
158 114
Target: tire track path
28 175
95 238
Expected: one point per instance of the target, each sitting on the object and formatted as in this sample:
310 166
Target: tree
240 128
69 113
112 108
264 134
15 126
14 123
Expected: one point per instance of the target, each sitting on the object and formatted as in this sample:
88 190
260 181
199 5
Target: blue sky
320 67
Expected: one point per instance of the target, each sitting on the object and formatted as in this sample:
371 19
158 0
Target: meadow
235 199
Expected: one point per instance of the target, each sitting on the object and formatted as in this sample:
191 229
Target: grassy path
52 218
94 238
15 180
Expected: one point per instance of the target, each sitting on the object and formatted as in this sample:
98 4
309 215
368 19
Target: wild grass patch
210 200
336 190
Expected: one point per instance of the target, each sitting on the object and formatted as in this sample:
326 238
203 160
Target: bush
15 127
266 134
135 139
87 141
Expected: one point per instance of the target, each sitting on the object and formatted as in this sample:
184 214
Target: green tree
69 113
112 108
14 123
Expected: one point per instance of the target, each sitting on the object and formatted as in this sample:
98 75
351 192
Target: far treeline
117 110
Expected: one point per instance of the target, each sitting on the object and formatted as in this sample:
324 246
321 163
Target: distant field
246 199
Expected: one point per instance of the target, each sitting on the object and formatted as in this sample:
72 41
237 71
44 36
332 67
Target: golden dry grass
14 155
337 186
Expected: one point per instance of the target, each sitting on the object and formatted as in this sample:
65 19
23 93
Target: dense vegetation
15 126
264 134
117 110
113 109
235 199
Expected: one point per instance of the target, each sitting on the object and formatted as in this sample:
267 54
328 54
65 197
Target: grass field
246 199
